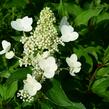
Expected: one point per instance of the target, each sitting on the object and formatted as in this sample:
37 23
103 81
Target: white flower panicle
45 34
67 31
45 37
75 66
6 50
23 24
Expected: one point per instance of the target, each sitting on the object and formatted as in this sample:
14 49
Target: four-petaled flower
75 66
23 24
6 49
49 66
67 31
31 85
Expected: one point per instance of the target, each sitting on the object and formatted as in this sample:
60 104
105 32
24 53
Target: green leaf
85 57
106 56
45 105
100 87
16 38
103 72
73 9
84 17
1 91
102 17
17 107
94 50
16 3
61 9
11 90
58 97
19 74
65 9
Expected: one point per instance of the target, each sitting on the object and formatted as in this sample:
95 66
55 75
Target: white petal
75 36
73 57
64 38
49 74
2 52
9 55
77 64
23 24
65 30
42 64
77 69
72 74
26 24
27 20
63 21
17 25
27 28
6 45
71 29
70 36
69 62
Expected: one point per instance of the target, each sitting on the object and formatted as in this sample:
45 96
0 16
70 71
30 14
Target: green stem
63 69
4 61
93 77
1 106
14 66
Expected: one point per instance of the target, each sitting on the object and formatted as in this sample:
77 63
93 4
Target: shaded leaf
16 3
85 58
19 74
57 96
45 105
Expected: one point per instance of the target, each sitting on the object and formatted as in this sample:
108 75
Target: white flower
49 66
67 31
6 49
31 85
23 24
75 66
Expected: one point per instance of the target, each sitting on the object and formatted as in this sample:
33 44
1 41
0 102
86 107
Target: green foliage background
90 88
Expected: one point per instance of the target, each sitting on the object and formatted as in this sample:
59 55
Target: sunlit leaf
103 72
106 56
11 90
86 15
100 87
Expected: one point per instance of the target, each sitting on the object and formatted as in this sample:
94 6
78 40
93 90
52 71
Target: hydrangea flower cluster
45 37
39 49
